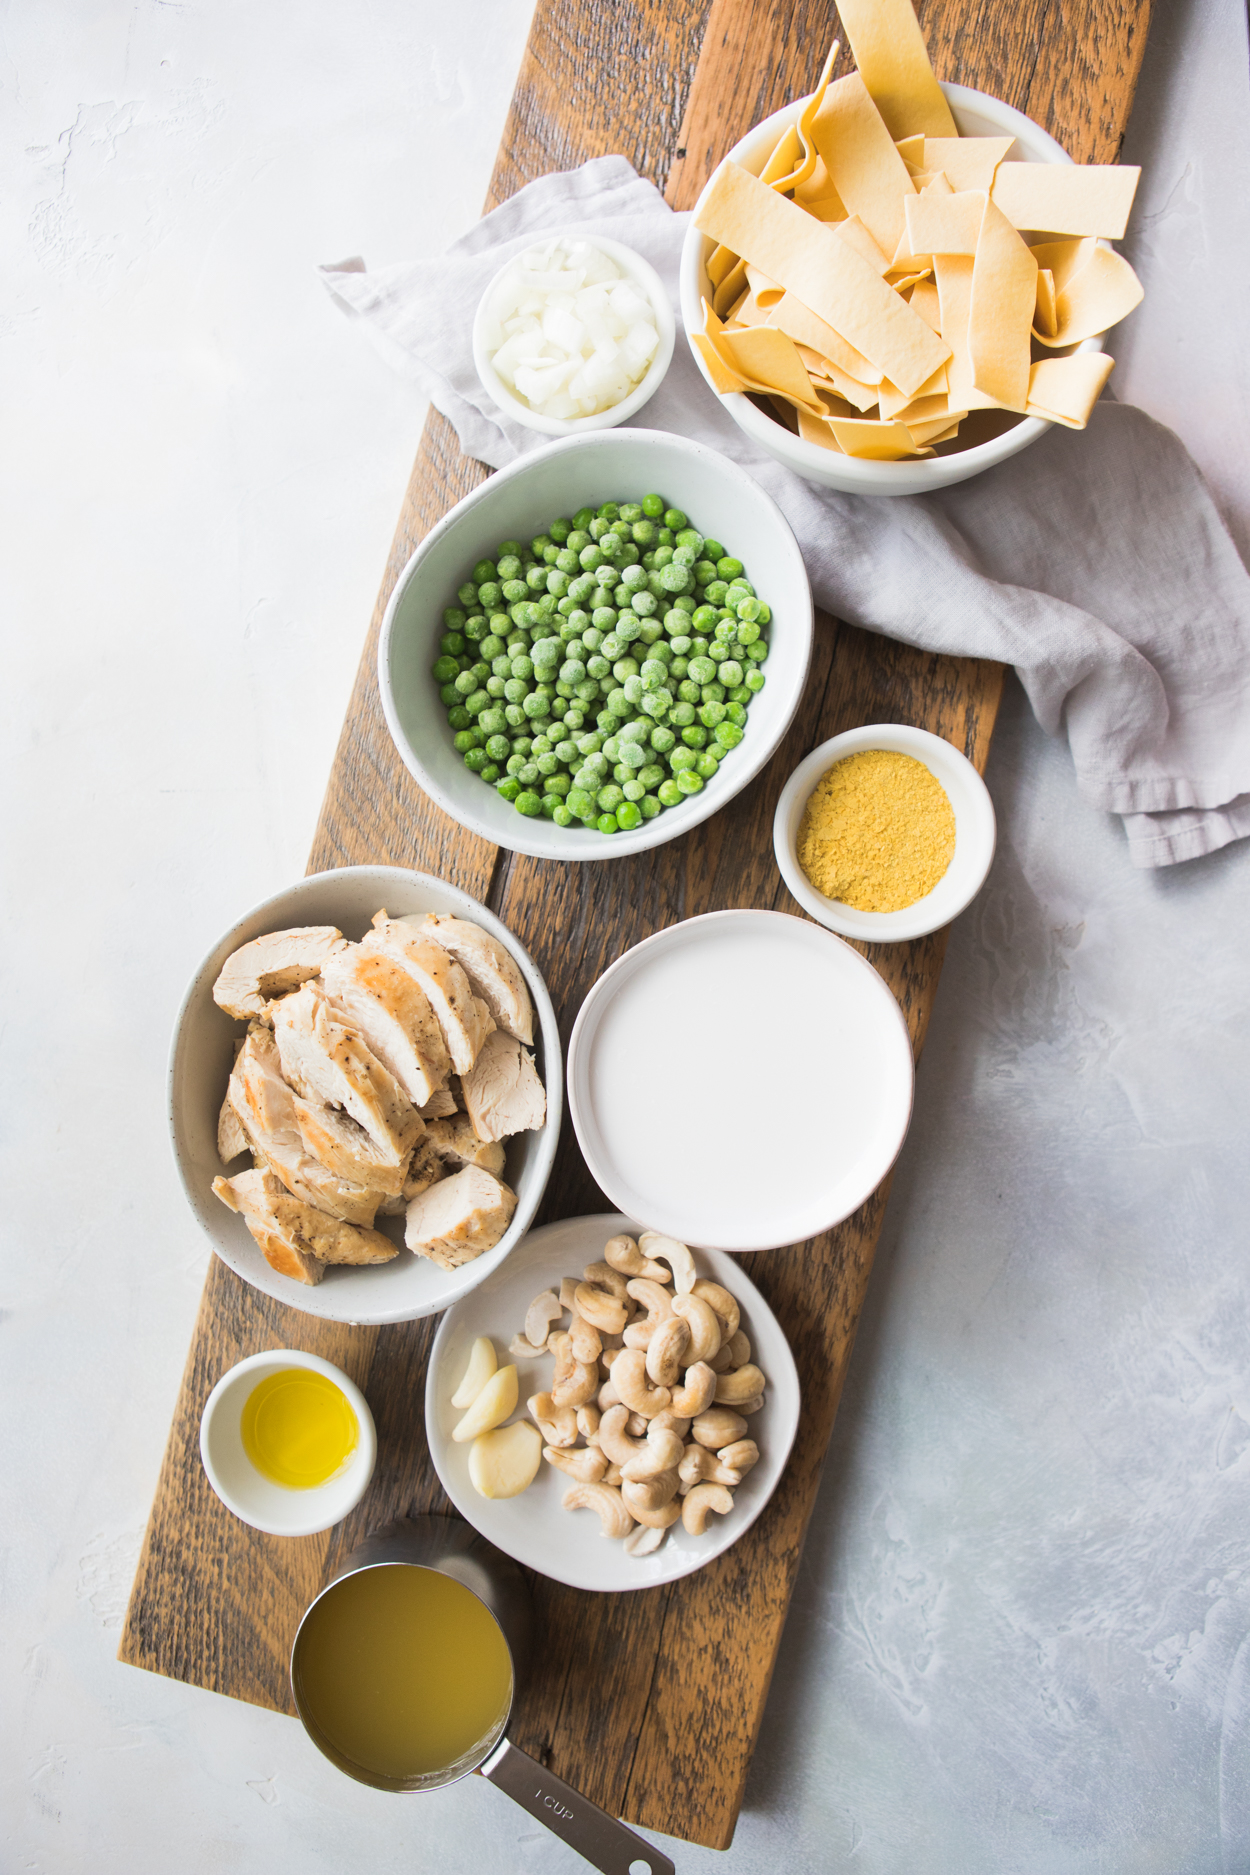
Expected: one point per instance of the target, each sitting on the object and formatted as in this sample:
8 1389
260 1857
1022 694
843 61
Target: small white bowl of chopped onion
573 335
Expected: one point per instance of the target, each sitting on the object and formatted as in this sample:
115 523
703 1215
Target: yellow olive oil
402 1671
298 1428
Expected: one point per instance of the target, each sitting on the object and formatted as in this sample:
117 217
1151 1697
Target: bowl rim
674 821
782 1425
912 921
266 1280
604 988
313 1522
644 275
867 478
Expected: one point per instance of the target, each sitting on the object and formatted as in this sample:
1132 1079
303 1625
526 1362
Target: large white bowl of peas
599 647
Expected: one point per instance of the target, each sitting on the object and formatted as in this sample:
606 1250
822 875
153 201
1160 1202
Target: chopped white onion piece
568 332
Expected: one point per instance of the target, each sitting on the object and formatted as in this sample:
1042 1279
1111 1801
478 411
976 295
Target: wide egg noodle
1065 390
953 273
872 442
856 235
724 381
859 154
945 224
1099 294
893 61
804 158
924 300
809 259
805 328
1067 198
768 360
1045 319
816 430
1000 311
730 289
823 371
966 162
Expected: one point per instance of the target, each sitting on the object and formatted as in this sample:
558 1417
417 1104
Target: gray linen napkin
1094 561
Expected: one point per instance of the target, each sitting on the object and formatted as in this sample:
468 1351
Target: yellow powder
878 831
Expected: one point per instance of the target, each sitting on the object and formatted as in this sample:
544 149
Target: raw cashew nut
672 1422
661 1452
615 1520
541 1316
588 1421
608 1396
653 1243
722 1304
603 1311
666 1350
603 1276
722 1360
636 1426
654 1502
521 1348
740 1456
704 1499
739 1348
568 1285
615 1440
705 1334
629 1377
623 1254
718 1427
751 1406
696 1392
699 1466
575 1381
658 1304
743 1384
584 1337
586 1464
613 1474
558 1424
643 1539
606 1358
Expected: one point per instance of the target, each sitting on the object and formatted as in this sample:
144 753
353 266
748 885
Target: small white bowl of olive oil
288 1442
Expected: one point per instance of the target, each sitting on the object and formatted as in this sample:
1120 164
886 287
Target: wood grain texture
612 1704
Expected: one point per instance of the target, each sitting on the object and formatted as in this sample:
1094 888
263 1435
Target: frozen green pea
632 755
457 715
758 651
669 794
682 714
528 803
560 530
702 670
445 670
676 578
479 701
690 781
662 739
748 630
491 772
704 573
467 739
711 713
609 798
650 775
628 627
653 506
727 568
493 722
680 758
607 823
509 788
475 760
514 714
559 783
580 801
649 806
508 566
572 671
490 595
736 713
644 603
695 736
729 673
454 617
755 679
561 815
728 735
674 518
628 816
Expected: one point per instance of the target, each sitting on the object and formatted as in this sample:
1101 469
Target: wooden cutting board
657 1732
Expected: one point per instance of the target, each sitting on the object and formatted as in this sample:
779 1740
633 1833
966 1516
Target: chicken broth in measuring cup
403 1673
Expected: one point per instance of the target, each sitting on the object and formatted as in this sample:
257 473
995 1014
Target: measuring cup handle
608 1845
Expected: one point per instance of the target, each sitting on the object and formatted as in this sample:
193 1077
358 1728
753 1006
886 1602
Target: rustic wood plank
217 1604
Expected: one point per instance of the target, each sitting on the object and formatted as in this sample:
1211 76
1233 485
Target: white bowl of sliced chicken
365 1089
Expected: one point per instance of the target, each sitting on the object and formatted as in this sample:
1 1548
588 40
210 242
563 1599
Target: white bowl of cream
594 363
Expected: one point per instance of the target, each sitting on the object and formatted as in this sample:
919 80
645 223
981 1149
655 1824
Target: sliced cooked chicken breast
440 1104
325 1058
457 1143
231 1139
493 972
459 1217
265 1108
384 1002
463 1017
273 965
295 1238
428 1166
502 1090
345 1149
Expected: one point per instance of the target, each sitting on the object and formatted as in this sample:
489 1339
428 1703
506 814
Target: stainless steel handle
608 1845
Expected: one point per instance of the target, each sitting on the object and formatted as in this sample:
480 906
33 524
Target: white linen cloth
1094 561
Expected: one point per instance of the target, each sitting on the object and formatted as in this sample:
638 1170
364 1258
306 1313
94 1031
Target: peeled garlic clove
497 1399
503 1463
482 1364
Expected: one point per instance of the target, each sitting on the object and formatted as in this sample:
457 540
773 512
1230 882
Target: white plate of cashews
558 1499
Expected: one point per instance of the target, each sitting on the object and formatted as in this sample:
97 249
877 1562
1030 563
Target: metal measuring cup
455 1549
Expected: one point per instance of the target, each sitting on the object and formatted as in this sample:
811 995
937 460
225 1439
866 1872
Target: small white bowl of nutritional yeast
742 1080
